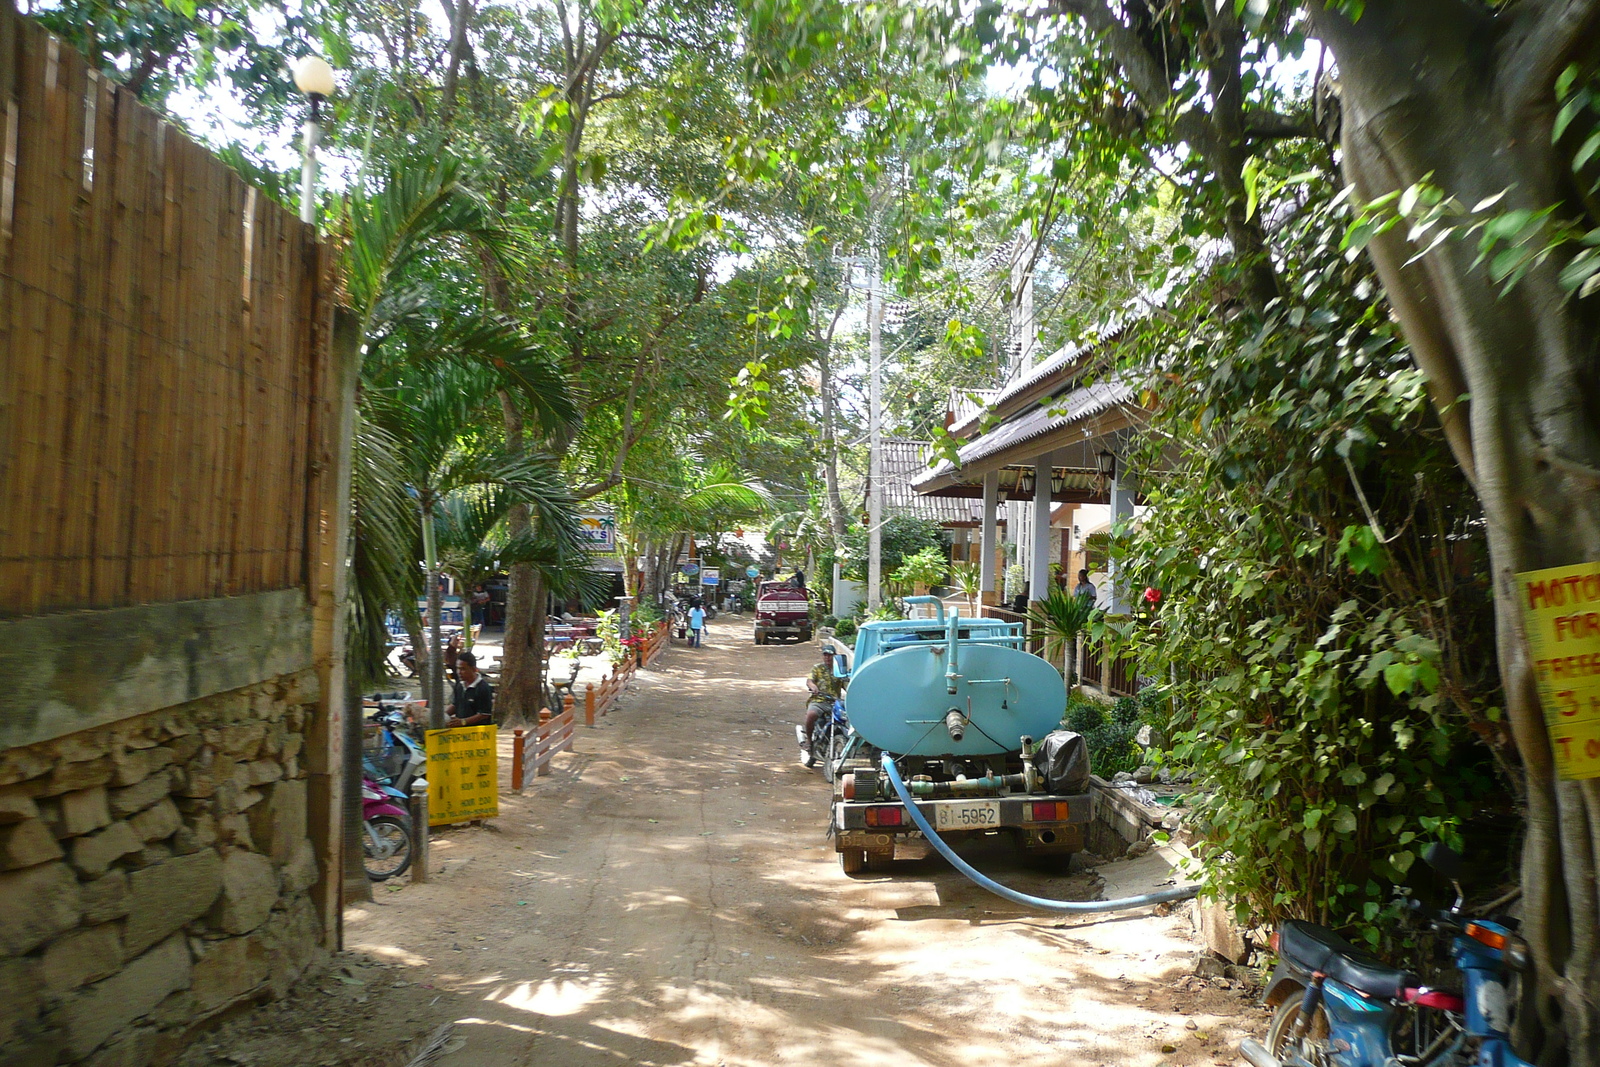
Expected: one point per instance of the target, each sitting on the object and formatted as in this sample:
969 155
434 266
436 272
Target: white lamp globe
313 76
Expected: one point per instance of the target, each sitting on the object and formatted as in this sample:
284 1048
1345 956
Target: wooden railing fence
164 331
597 700
1118 677
533 749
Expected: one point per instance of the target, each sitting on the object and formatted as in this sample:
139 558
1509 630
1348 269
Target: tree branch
1541 38
1271 126
1144 70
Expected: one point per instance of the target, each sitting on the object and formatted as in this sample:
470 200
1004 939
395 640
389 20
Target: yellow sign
463 775
1561 612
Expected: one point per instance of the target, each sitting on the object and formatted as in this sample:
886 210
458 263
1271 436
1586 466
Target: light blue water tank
898 699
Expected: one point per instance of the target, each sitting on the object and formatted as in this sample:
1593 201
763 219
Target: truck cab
972 721
783 610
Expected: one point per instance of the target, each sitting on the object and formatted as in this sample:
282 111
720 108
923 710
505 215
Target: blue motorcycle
828 740
1339 1006
396 756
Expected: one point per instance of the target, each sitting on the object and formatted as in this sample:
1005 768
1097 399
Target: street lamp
314 77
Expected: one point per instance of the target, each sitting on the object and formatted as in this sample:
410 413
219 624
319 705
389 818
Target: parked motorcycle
386 842
1339 1006
400 758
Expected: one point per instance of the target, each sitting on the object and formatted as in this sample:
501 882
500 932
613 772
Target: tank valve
955 724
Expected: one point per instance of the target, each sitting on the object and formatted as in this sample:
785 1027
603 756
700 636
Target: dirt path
667 897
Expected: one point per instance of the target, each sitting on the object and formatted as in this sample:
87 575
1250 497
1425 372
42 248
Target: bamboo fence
164 333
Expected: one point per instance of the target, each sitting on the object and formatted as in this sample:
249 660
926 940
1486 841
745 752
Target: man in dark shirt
472 697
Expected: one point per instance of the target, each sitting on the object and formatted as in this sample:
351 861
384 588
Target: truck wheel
852 860
805 635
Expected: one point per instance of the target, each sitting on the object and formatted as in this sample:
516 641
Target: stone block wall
153 873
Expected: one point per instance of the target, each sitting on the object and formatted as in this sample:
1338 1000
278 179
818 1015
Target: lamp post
314 77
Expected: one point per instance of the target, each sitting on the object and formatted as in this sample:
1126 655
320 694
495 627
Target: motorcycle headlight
1516 954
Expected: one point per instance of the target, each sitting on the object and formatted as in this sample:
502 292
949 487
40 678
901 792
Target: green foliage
902 536
927 567
967 577
1063 616
608 627
845 631
1016 581
1109 731
1323 613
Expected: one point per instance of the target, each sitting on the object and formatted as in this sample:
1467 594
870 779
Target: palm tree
433 411
1062 617
474 546
657 517
968 581
407 325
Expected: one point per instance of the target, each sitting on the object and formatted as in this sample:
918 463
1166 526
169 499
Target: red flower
1152 595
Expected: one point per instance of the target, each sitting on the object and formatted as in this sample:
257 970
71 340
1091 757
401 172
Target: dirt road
667 896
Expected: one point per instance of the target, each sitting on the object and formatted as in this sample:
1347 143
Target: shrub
846 631
1109 732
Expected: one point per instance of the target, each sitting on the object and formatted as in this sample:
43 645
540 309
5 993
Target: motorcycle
828 740
1339 1006
386 840
400 758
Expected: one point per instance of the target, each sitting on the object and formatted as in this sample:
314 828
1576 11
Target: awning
1077 418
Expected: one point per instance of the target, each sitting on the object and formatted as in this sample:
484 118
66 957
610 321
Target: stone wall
153 873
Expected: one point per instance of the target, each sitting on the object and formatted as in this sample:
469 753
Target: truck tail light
1045 811
887 815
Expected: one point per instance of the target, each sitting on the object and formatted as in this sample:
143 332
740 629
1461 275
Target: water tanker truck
972 721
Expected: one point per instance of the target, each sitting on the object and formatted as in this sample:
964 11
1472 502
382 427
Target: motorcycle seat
1317 948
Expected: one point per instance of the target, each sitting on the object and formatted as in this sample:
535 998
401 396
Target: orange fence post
566 711
516 761
588 705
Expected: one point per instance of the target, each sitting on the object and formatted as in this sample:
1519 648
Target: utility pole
875 424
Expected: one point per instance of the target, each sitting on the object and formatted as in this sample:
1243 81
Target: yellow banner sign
463 774
1561 611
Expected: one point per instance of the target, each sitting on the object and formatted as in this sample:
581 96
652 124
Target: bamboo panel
164 330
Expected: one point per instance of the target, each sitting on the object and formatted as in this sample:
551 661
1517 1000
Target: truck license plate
974 815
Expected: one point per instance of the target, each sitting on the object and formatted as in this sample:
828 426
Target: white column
991 502
1039 549
1123 488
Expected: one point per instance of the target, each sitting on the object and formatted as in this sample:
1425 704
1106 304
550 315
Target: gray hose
1185 892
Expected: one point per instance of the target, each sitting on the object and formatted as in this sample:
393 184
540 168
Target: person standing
471 695
697 625
1085 587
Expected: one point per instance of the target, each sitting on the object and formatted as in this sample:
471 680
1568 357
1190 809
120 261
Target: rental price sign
1561 613
463 774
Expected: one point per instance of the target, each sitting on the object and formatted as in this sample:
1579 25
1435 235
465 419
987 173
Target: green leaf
1252 181
1400 677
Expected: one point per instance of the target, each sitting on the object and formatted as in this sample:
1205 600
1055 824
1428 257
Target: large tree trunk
1441 90
521 683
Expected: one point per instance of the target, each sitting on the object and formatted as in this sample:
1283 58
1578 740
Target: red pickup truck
782 610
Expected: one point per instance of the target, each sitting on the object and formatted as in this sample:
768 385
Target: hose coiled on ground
1185 892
